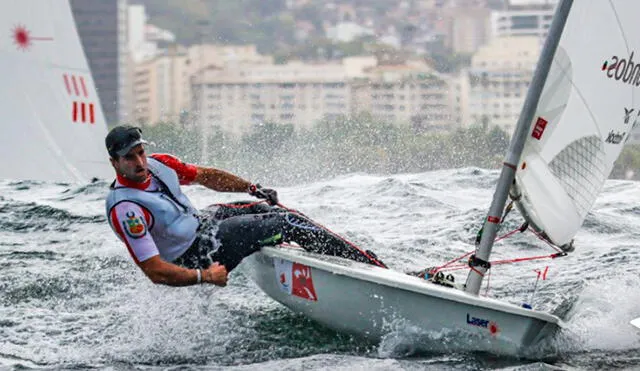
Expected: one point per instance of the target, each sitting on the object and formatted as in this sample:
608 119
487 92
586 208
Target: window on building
286 116
520 22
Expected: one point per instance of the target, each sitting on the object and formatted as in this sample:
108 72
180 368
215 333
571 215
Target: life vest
174 219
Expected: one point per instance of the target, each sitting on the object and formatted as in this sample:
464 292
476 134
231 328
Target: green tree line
276 153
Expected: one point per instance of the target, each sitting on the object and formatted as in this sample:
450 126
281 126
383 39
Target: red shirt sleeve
186 172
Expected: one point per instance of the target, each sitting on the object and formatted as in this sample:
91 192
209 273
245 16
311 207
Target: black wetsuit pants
243 230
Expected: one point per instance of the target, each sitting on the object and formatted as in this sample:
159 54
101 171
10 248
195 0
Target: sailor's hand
264 193
216 274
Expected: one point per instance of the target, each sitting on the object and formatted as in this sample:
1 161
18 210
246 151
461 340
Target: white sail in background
52 125
589 105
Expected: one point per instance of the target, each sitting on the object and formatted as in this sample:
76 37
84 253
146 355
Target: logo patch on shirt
133 226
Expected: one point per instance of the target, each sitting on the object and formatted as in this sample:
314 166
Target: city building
466 28
523 20
145 40
162 88
499 77
237 97
406 94
162 85
102 26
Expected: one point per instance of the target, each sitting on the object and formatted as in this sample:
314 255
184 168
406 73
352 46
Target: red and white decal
538 129
295 279
23 39
82 112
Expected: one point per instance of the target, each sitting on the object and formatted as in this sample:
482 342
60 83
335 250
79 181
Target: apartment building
204 56
408 94
459 91
162 88
237 97
523 20
499 77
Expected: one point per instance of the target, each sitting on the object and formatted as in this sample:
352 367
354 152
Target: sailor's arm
131 222
162 272
216 179
220 180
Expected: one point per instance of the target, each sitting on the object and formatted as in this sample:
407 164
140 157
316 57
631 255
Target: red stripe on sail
66 83
75 111
75 85
91 114
83 112
84 87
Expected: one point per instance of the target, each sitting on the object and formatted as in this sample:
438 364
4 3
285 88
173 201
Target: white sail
52 124
587 110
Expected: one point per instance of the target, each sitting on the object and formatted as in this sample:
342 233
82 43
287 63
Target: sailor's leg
319 240
224 211
241 236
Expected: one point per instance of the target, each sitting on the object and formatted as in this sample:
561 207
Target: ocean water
71 297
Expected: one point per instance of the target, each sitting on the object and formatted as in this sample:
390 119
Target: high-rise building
102 26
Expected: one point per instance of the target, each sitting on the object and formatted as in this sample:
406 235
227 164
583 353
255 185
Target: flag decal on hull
295 279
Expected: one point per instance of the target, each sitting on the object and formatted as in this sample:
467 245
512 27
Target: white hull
369 301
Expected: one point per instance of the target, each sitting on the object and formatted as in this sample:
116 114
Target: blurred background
298 90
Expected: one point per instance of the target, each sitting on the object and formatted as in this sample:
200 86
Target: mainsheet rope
449 266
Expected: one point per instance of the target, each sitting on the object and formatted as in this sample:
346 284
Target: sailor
175 244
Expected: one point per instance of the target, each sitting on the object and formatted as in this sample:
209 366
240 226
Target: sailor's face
133 165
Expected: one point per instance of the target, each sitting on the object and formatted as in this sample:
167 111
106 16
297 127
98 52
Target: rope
449 267
446 265
486 291
541 237
363 252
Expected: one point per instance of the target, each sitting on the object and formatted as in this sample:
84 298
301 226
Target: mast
479 263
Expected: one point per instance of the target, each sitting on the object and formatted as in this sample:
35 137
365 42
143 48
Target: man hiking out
177 245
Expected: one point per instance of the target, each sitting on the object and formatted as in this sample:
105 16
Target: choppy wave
70 297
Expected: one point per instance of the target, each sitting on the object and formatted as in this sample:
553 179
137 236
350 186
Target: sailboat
53 127
580 108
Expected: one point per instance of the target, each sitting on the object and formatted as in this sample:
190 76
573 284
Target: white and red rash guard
132 221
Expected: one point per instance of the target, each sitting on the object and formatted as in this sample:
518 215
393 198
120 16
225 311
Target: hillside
265 23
